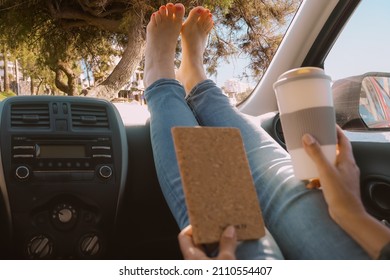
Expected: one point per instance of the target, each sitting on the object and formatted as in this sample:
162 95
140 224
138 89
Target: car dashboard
68 190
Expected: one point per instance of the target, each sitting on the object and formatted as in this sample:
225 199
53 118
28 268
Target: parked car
78 179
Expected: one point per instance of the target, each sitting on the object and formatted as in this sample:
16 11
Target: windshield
45 51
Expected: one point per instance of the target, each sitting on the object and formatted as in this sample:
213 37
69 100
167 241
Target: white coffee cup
306 106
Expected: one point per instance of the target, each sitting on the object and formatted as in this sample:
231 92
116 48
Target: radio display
61 151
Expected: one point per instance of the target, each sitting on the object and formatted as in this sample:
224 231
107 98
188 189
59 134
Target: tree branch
99 10
70 15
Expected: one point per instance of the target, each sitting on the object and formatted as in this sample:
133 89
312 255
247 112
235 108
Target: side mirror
363 102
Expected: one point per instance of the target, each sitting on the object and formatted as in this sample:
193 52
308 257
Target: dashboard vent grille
30 116
89 116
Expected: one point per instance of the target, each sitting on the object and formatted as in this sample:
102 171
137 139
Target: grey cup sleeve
318 121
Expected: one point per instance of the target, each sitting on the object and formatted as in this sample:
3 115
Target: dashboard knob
22 172
105 172
90 245
39 247
65 215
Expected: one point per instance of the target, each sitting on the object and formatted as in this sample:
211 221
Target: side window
359 65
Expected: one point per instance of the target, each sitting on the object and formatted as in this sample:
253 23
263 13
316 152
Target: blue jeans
297 218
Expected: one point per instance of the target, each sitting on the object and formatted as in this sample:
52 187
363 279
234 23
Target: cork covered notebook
217 182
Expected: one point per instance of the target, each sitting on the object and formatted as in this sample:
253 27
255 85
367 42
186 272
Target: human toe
163 11
170 10
194 14
179 11
207 20
205 14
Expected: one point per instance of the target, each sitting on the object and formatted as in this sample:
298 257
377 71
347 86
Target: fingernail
308 139
230 232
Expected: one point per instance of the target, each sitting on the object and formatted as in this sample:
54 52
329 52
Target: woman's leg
297 217
165 99
168 108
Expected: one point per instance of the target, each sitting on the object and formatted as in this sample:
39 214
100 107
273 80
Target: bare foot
194 34
162 33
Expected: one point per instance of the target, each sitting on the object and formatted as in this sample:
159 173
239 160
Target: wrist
374 236
344 217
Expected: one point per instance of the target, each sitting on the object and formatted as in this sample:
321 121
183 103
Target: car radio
46 158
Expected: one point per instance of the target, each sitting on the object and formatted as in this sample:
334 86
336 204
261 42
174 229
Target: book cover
217 182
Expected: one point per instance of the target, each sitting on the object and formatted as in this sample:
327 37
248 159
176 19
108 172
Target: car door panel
373 161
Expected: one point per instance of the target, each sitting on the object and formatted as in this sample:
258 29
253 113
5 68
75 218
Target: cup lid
301 73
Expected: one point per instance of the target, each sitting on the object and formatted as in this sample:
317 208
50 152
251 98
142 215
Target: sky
363 46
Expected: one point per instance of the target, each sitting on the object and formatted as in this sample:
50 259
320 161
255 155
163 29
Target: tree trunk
70 87
6 75
39 87
32 86
129 62
17 76
58 81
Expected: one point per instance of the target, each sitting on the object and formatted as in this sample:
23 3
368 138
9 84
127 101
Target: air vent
30 116
89 116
